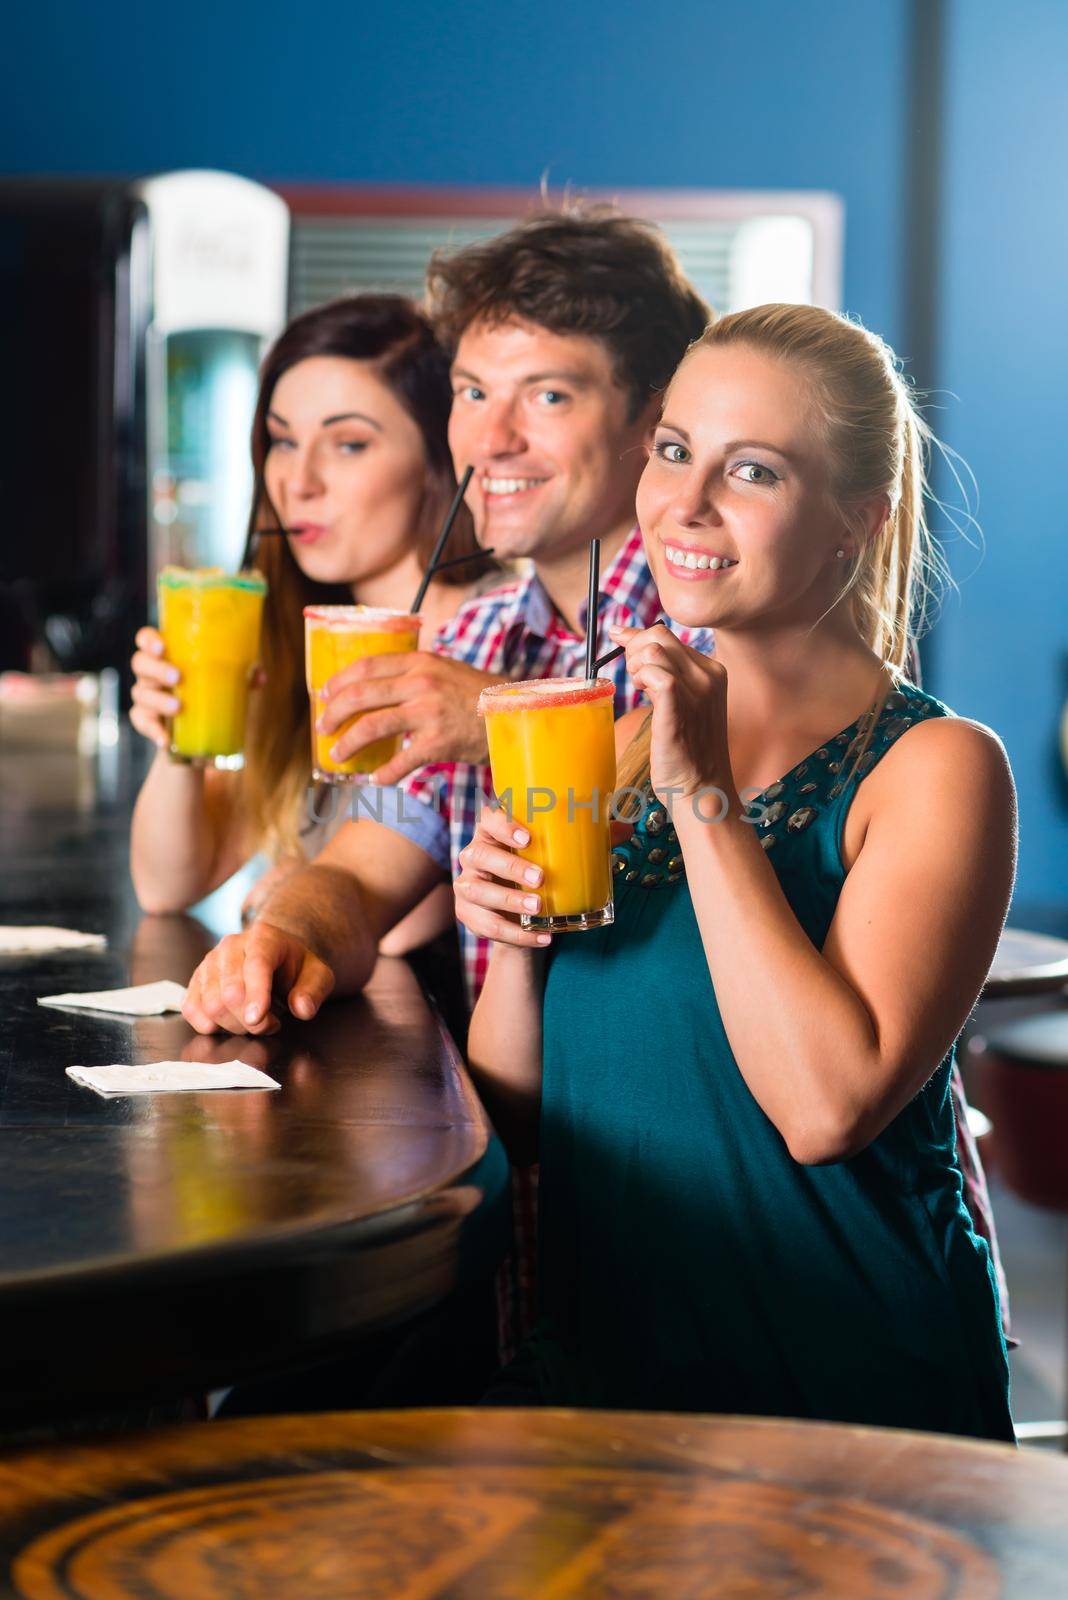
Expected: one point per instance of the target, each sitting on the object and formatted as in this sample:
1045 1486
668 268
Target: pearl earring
839 554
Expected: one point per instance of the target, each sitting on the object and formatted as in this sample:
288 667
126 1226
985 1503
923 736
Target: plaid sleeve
432 786
417 820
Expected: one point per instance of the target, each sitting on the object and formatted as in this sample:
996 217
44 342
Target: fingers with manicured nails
491 909
484 856
484 892
491 924
149 639
152 697
495 822
154 670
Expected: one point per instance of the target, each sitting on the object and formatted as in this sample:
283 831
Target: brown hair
392 333
877 444
589 270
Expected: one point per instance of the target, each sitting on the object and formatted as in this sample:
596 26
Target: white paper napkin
143 1000
27 941
171 1077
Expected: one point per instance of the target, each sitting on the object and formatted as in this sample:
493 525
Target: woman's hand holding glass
495 884
153 700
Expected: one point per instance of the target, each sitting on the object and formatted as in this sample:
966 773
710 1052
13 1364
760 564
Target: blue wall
1001 647
753 93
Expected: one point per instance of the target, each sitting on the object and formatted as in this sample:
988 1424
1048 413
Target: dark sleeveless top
688 1263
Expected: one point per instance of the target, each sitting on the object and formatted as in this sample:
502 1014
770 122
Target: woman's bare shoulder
946 776
955 746
951 762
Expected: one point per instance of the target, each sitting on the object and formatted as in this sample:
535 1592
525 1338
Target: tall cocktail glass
335 636
552 755
210 622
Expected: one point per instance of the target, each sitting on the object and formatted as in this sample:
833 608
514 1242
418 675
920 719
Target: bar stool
1023 1073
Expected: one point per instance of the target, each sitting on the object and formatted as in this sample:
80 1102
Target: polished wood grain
156 1244
498 1505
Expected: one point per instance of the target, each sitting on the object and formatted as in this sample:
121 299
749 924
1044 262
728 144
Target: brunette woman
351 458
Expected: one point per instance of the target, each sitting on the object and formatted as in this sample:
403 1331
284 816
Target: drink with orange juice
210 622
552 755
335 636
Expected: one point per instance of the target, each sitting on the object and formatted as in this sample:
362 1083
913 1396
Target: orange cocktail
210 622
552 752
335 636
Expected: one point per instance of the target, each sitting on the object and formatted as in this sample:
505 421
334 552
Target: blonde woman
739 1093
350 451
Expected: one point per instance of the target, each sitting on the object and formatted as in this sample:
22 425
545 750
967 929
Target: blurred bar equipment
135 314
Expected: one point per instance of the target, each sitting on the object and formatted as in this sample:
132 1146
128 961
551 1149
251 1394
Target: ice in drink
210 622
552 754
335 636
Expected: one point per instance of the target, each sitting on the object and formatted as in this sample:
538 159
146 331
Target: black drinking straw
592 618
446 529
611 656
458 561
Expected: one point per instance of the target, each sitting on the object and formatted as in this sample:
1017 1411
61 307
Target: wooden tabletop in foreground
484 1505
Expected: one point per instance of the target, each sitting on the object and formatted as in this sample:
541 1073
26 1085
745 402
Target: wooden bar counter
532 1505
155 1245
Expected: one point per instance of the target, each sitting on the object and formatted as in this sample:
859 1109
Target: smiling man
564 331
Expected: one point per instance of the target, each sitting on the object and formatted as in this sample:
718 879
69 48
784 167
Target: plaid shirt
514 632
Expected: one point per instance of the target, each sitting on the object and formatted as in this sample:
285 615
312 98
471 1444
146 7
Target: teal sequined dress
688 1263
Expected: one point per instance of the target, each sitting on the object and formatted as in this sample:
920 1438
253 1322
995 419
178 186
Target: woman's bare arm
504 1048
833 1043
187 835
